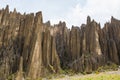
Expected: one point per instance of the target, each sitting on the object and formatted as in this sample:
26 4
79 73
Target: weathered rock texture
30 48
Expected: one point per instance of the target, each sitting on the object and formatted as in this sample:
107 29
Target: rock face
31 49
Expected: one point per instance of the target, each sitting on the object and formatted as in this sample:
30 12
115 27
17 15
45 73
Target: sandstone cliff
30 48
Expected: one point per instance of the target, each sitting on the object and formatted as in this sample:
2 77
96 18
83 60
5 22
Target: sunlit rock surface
31 49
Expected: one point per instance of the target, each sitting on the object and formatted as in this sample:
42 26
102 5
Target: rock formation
31 49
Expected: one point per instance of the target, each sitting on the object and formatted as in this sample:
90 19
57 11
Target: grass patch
102 76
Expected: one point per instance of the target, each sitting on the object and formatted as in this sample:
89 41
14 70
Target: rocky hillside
31 48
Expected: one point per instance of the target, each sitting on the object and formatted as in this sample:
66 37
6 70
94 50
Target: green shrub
110 67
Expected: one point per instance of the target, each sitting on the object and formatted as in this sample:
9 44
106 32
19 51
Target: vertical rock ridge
37 49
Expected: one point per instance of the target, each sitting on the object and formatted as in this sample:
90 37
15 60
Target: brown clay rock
29 46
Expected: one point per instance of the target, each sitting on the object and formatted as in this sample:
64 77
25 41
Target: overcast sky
73 12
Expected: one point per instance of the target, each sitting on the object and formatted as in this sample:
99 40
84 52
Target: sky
73 12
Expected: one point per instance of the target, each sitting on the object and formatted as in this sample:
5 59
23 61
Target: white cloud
100 10
73 12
